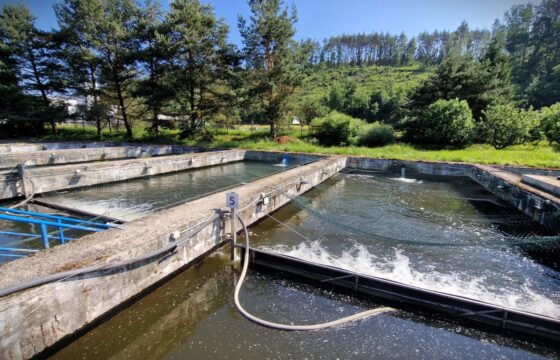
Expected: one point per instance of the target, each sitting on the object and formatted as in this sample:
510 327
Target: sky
320 19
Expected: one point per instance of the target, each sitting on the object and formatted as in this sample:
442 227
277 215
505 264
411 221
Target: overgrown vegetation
551 123
506 125
132 63
376 134
338 129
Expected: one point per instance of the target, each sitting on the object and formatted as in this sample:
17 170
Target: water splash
404 179
284 162
397 267
407 180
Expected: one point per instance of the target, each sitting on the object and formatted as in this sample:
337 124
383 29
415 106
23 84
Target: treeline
528 34
463 101
131 61
387 49
500 87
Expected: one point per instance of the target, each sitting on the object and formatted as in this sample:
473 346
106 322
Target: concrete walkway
68 156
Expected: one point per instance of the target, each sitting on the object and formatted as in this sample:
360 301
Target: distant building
70 105
295 121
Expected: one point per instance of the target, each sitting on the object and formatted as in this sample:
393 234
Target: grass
539 155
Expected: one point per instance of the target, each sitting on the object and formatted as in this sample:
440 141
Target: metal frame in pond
77 212
61 223
406 296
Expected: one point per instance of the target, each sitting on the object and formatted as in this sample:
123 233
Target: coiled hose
273 325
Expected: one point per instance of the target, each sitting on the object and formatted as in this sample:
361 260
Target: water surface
135 198
193 317
377 225
444 234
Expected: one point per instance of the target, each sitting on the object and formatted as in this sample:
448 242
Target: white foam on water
107 208
407 180
398 268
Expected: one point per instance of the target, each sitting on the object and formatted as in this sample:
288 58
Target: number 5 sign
232 200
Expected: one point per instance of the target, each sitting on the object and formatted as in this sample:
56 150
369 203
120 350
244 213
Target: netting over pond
444 234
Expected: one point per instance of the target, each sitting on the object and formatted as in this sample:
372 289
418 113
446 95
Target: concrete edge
51 178
35 319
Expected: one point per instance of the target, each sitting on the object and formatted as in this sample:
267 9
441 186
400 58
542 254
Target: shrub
443 123
506 125
311 108
337 129
16 127
550 123
376 134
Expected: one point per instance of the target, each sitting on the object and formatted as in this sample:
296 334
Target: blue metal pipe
12 255
60 232
45 236
53 217
50 223
19 234
29 235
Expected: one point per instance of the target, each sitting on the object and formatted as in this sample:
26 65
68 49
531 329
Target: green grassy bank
538 155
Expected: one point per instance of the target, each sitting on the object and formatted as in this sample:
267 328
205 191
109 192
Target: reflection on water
135 198
446 234
193 317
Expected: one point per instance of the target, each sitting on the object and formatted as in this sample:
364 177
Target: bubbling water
398 268
442 234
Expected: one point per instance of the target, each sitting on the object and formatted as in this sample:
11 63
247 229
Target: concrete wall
532 171
29 147
419 167
56 157
37 318
540 206
50 178
276 157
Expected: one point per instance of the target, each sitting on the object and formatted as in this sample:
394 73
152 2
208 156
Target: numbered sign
232 200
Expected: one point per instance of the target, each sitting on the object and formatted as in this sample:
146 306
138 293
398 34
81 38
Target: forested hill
367 92
371 77
528 34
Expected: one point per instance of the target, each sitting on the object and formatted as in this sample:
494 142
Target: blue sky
319 19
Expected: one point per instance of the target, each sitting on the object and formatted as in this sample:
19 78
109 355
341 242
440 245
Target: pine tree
77 20
10 90
410 52
270 54
32 56
203 64
495 75
117 43
481 83
544 61
155 88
